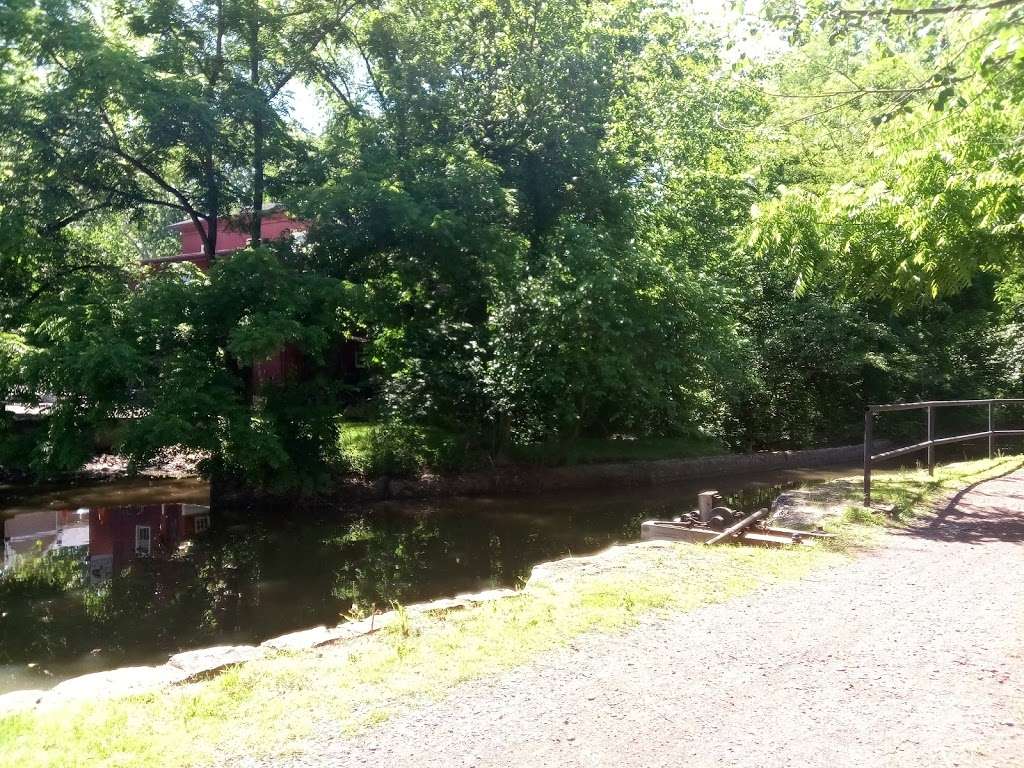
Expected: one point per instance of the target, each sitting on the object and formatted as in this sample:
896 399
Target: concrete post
705 502
931 436
869 424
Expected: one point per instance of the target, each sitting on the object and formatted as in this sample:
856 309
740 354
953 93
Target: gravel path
909 656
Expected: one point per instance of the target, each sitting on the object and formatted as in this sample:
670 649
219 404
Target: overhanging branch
928 11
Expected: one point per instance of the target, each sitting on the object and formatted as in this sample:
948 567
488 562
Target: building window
202 523
143 540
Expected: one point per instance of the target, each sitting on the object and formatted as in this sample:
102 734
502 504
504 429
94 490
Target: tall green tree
922 105
516 187
136 104
118 118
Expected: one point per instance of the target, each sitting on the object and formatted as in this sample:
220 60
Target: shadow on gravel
987 511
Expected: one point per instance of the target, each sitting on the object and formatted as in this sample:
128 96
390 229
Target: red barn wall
232 235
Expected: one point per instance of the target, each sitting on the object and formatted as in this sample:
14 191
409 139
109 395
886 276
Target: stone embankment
520 480
190 666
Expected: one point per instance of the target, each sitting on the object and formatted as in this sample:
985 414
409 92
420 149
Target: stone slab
206 661
808 508
19 701
487 596
443 604
126 681
302 640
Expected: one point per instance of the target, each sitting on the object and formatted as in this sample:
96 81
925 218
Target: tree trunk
256 228
212 207
209 159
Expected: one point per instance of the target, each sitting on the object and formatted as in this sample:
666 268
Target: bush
402 449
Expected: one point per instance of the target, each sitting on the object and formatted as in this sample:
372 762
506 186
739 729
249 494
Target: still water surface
128 572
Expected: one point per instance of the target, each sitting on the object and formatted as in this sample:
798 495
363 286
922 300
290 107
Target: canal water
128 572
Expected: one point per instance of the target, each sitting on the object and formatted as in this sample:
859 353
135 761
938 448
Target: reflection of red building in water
120 535
113 537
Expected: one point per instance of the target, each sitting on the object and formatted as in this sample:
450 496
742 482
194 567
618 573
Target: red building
232 235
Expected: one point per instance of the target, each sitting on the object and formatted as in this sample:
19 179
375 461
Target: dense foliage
550 222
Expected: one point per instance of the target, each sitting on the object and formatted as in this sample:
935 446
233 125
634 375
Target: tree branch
932 11
43 286
342 93
56 226
870 91
369 73
342 12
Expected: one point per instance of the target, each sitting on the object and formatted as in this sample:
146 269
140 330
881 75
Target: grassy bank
900 497
269 706
372 448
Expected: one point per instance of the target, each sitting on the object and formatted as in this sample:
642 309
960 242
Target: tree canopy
543 222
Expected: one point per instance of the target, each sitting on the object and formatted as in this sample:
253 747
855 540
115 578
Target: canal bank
527 480
274 705
212 574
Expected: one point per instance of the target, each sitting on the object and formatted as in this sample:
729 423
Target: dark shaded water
127 573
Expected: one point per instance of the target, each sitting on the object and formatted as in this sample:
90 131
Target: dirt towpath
909 656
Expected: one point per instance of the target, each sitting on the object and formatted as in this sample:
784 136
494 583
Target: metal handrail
928 405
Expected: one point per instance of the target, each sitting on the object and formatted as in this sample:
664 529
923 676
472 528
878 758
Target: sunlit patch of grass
901 496
912 493
269 706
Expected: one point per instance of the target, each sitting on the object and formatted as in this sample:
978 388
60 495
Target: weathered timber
743 524
798 532
662 530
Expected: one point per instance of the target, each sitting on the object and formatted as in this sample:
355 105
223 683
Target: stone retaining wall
525 480
190 666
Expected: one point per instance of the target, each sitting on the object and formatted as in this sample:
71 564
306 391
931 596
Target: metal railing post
930 407
990 435
868 426
931 437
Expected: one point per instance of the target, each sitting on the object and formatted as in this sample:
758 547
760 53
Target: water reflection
43 531
108 539
120 535
97 586
90 588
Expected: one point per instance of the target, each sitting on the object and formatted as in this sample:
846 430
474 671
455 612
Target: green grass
267 707
374 449
911 493
356 443
371 448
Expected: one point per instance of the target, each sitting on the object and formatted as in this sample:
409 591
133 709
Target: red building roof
232 234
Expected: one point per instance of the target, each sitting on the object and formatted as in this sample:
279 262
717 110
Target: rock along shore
191 666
